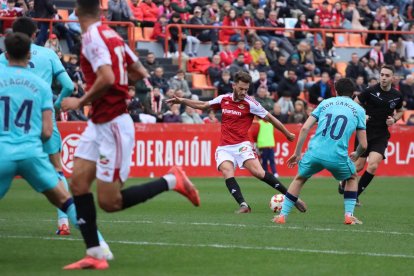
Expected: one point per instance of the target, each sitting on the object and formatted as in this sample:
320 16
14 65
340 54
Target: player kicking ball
235 148
337 119
105 147
26 111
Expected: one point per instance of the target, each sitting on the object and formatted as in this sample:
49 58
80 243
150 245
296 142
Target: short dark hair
345 87
88 7
389 67
243 77
24 25
17 46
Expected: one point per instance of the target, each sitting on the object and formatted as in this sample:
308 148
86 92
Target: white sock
62 221
171 181
96 252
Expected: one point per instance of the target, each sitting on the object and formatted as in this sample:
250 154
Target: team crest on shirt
241 106
393 105
243 149
226 102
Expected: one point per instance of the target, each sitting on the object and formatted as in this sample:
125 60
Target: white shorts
237 154
110 145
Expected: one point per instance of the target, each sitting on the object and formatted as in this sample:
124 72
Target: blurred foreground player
26 111
337 119
235 148
105 148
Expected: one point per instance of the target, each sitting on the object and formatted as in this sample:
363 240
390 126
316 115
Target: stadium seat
138 34
200 82
64 14
356 41
341 40
148 33
341 67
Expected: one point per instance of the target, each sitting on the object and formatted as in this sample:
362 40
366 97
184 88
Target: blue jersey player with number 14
337 119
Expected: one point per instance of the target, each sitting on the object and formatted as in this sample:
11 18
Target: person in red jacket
325 15
226 55
150 13
234 34
136 11
160 35
241 49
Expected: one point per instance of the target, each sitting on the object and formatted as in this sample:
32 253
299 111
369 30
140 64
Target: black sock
274 182
140 193
363 183
291 197
234 190
86 215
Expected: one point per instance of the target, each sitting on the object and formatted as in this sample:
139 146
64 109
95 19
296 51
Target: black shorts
377 144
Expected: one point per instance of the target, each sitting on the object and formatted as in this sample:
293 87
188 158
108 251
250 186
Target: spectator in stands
320 55
183 8
298 116
62 31
179 82
302 24
381 15
321 90
254 73
160 35
355 68
190 116
150 63
212 14
394 14
374 38
119 10
206 35
239 7
286 104
189 43
394 26
264 98
396 81
325 15
374 5
211 117
226 55
279 36
136 11
264 81
30 9
158 79
279 7
263 66
337 16
261 21
272 52
407 90
372 82
294 65
391 54
225 8
172 115
215 70
360 86
12 11
74 26
289 86
279 68
408 42
247 21
153 104
372 69
232 34
353 18
135 108
149 13
241 50
165 9
258 51
367 16
225 85
53 43
238 65
330 68
400 68
277 113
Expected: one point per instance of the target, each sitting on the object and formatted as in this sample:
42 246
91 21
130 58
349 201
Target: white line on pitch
228 246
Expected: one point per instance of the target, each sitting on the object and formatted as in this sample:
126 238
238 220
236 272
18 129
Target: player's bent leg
374 159
227 169
291 199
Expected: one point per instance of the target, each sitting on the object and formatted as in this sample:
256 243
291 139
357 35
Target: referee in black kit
383 106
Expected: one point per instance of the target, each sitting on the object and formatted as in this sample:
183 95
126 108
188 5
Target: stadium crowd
291 73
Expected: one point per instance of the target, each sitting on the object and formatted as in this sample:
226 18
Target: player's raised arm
279 126
294 159
192 103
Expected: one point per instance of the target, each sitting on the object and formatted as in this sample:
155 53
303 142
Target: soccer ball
276 202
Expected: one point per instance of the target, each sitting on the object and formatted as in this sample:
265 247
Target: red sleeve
228 32
247 58
157 31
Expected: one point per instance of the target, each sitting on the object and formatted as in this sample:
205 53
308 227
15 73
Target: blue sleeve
47 97
361 119
56 65
317 111
3 59
67 88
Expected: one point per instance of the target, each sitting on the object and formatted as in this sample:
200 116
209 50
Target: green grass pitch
167 236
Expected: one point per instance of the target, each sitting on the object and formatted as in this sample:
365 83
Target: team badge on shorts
103 160
243 149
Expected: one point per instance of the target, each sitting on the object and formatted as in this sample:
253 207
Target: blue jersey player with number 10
46 64
337 119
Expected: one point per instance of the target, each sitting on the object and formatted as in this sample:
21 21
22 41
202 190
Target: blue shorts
54 144
38 171
310 165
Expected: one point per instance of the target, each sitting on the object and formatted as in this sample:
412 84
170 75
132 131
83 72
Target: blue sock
62 215
69 209
288 204
349 202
